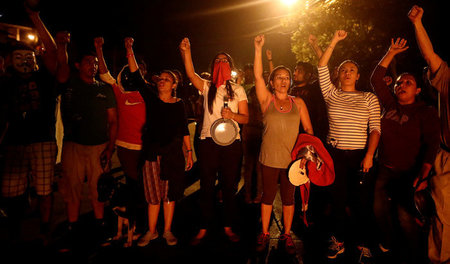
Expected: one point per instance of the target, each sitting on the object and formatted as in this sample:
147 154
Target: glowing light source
233 74
289 3
31 37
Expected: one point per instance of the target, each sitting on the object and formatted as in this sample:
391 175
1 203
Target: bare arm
396 47
269 58
62 69
372 145
262 93
112 129
315 46
187 145
132 63
49 56
338 36
424 42
185 49
241 116
98 43
304 116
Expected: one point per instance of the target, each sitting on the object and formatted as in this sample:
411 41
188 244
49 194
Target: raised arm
424 42
63 68
338 36
185 49
132 63
98 44
269 59
312 40
49 57
105 75
262 93
396 47
377 79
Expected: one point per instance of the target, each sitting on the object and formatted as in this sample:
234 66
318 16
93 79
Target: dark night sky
158 26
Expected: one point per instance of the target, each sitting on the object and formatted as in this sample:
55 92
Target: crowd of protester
387 145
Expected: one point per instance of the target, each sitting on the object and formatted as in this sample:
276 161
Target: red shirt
131 118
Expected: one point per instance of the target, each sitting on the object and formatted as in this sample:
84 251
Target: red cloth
222 73
322 177
131 116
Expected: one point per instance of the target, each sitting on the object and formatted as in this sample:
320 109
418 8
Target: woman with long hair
215 158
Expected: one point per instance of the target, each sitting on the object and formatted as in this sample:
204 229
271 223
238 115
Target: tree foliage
370 25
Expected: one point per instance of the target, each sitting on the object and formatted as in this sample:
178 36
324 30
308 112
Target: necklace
280 103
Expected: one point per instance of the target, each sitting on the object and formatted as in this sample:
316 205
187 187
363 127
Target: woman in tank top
282 115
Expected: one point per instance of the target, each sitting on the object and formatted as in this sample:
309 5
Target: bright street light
31 37
289 3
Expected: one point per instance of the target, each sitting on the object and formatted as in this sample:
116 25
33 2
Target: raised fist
415 14
259 41
98 42
185 45
128 42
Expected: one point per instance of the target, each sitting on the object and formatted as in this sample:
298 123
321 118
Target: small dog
120 196
124 221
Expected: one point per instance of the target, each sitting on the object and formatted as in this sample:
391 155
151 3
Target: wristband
189 150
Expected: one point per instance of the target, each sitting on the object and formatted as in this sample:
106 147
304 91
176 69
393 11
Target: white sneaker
170 238
365 255
145 239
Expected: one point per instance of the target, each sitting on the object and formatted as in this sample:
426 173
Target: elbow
244 120
376 133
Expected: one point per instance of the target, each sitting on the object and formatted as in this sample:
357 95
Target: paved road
215 249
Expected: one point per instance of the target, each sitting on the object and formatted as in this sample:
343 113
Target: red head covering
222 73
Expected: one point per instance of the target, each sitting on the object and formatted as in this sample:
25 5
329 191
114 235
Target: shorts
28 166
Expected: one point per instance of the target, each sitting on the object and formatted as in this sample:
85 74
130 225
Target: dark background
212 25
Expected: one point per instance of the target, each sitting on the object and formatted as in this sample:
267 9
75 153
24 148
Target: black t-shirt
28 105
84 111
166 124
317 109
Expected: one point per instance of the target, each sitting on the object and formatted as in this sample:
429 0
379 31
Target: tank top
279 135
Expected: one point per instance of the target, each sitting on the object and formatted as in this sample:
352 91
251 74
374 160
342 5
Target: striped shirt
352 115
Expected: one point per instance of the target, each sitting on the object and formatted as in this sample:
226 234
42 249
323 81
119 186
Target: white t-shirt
208 119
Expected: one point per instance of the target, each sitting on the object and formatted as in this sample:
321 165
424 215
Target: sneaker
288 243
262 242
145 239
335 248
365 256
170 238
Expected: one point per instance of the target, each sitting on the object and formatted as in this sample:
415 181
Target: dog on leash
119 192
